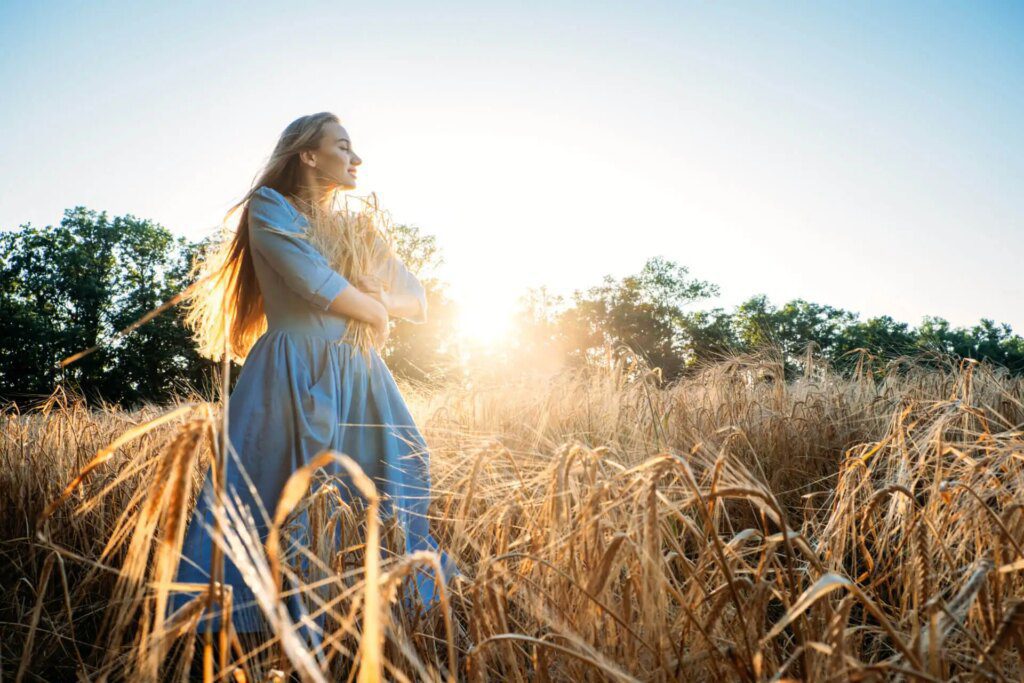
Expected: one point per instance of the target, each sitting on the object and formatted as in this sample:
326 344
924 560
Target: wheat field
731 526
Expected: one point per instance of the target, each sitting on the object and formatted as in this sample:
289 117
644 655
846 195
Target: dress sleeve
401 281
276 234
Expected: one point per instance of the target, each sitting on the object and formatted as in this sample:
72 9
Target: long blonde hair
225 310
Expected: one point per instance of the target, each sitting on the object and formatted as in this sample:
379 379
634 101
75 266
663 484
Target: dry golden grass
355 238
730 527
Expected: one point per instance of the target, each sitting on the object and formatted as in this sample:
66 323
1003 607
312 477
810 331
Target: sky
866 155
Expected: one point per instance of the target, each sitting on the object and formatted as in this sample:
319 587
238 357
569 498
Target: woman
301 390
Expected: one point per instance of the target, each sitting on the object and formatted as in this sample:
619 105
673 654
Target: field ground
728 527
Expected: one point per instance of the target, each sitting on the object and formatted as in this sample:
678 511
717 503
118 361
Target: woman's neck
306 197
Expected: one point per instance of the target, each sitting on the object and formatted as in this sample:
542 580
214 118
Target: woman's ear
308 157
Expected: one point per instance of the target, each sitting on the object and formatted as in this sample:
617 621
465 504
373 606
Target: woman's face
336 162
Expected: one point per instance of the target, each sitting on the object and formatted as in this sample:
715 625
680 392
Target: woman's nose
356 160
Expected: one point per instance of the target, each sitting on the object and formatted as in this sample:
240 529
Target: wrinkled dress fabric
301 391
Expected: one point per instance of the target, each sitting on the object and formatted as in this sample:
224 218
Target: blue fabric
301 391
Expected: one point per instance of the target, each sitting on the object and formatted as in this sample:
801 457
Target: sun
482 321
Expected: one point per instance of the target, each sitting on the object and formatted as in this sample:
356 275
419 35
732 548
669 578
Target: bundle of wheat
356 242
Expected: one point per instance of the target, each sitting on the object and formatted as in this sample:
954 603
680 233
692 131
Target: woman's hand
372 285
381 331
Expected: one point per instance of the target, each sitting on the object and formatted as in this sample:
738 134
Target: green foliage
417 250
68 288
646 312
837 334
708 336
984 341
881 336
641 311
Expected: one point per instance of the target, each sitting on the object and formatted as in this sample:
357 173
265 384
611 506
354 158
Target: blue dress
301 391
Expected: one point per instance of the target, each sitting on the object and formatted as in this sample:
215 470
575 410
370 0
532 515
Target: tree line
71 287
648 313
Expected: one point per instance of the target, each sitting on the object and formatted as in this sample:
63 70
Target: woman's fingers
382 333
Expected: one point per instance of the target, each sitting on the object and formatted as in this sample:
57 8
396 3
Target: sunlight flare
484 321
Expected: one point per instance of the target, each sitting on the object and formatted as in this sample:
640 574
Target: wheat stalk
355 242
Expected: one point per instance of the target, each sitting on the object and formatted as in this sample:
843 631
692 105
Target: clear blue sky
864 155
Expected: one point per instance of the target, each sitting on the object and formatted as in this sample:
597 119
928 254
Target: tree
881 336
834 334
708 336
986 341
68 288
54 291
794 328
642 311
157 360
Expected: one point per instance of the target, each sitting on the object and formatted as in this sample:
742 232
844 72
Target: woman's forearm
355 304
